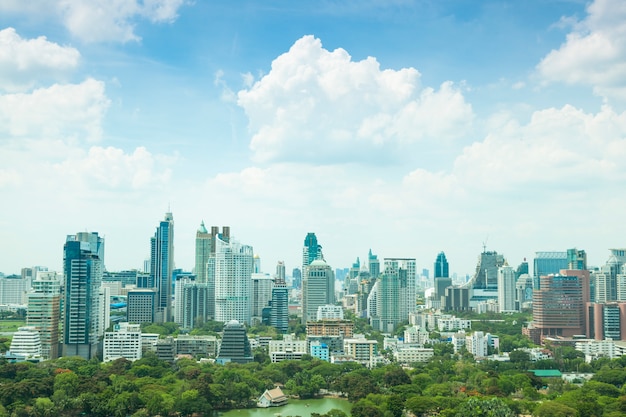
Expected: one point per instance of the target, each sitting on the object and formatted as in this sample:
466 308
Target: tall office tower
606 320
261 294
209 271
442 278
486 276
606 279
523 269
559 304
296 278
230 268
192 310
576 259
280 272
546 263
373 265
83 263
355 269
161 266
203 251
279 313
311 250
256 265
141 305
524 289
621 284
44 309
396 294
318 288
506 289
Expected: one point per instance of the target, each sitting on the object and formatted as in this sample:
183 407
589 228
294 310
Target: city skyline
408 127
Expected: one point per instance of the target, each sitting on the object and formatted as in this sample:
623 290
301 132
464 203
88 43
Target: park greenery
449 385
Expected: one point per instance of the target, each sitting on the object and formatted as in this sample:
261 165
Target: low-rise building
123 342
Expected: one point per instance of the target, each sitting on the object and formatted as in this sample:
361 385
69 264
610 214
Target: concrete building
141 305
123 342
361 349
162 266
318 288
26 341
329 312
83 263
506 289
231 269
235 346
44 311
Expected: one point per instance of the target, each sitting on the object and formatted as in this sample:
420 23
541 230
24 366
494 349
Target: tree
554 409
492 407
420 405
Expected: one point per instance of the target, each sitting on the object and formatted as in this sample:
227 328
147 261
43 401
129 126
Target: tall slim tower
506 288
161 266
44 303
231 267
83 264
279 313
442 278
203 251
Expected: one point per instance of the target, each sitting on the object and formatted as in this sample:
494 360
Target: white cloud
320 106
100 20
71 111
24 62
594 53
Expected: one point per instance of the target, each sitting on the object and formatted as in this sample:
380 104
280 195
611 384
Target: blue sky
407 127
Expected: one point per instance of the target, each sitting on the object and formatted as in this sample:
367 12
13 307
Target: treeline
447 386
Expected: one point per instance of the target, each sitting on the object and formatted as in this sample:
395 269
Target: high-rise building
191 302
141 305
546 263
311 250
606 321
161 267
506 289
203 251
296 278
606 279
318 288
261 294
280 272
83 264
559 304
395 294
279 313
373 265
230 268
44 306
576 259
442 278
208 243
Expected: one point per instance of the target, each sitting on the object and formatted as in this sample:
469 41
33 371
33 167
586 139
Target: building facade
161 267
83 263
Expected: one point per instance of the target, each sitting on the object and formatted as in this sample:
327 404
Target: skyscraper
203 251
506 289
231 270
558 305
318 288
279 313
442 278
83 263
161 266
546 263
311 250
44 303
395 294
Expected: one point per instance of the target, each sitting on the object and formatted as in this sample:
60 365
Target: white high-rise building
506 289
477 344
44 303
231 266
395 297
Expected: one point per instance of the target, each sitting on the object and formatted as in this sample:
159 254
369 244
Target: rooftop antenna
485 244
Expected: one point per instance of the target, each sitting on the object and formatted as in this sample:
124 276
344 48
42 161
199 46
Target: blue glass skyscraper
161 267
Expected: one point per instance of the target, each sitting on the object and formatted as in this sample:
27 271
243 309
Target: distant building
320 350
162 266
235 346
506 289
546 263
26 341
318 288
141 305
83 263
123 342
395 294
272 398
44 306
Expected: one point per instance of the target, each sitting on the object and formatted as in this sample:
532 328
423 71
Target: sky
407 127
